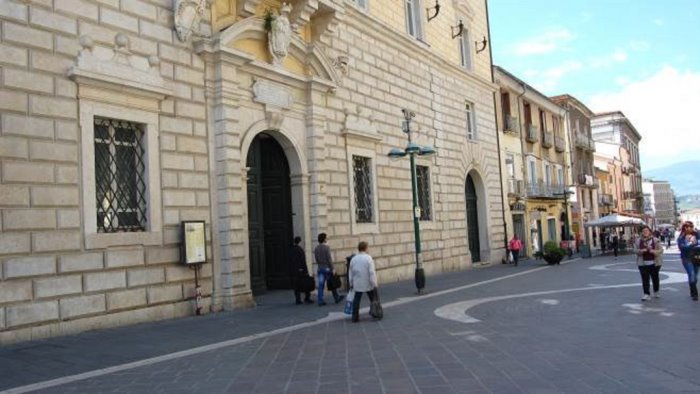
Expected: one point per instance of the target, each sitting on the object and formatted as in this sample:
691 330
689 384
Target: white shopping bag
348 303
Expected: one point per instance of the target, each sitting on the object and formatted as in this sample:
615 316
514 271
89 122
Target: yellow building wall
437 32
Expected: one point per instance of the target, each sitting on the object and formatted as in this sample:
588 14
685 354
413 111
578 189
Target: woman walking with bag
515 245
362 278
649 251
688 245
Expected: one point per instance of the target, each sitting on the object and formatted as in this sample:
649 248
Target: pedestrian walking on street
688 245
649 252
299 271
362 278
615 243
324 261
514 246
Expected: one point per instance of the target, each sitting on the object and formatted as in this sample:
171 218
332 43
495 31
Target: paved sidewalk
579 327
41 360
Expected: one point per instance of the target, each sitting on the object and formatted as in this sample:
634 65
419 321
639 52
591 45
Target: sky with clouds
638 56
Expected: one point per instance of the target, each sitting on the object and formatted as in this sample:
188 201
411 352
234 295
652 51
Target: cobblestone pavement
578 327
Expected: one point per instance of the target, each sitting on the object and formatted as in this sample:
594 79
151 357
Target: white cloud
639 45
658 22
618 56
548 79
622 80
549 41
662 108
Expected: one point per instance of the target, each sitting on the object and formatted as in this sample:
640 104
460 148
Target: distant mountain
684 177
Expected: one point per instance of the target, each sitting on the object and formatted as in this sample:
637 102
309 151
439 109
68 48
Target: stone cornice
406 44
118 69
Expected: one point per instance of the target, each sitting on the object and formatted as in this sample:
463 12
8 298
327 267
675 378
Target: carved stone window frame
117 84
89 109
361 137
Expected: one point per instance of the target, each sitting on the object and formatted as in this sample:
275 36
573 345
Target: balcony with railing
633 195
584 142
531 133
510 124
605 199
543 190
547 139
559 144
516 188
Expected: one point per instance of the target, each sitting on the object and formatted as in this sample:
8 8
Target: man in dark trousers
298 270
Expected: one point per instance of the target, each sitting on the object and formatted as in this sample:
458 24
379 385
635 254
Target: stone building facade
661 202
122 118
617 139
535 160
585 201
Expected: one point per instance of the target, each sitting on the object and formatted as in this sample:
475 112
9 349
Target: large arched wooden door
472 219
269 214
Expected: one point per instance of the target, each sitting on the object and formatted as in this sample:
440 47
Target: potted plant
553 254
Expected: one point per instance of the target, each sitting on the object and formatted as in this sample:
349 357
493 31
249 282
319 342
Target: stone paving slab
585 341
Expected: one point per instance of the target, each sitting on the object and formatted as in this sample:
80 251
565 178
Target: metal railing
531 133
515 187
605 199
541 189
547 139
585 142
511 123
559 144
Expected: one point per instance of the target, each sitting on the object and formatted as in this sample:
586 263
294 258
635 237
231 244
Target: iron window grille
120 184
362 177
423 185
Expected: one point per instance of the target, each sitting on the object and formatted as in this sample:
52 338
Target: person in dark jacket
688 245
299 270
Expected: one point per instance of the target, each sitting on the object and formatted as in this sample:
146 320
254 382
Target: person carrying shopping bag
362 278
324 261
514 247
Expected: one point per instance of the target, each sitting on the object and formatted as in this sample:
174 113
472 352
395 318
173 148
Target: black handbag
695 257
333 283
375 307
307 283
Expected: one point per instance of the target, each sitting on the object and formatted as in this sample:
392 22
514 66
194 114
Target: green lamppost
412 150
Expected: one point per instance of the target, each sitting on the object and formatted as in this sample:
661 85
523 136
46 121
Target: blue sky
641 57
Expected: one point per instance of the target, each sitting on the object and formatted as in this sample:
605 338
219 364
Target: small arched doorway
472 219
270 228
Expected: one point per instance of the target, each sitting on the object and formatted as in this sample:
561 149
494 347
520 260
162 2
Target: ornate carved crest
188 15
280 34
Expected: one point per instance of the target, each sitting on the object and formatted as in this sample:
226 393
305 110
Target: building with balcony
534 159
660 204
616 138
260 119
585 202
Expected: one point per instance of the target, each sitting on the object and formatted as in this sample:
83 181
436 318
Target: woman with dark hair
688 245
649 251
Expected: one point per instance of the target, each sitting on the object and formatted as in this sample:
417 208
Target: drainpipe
518 99
498 136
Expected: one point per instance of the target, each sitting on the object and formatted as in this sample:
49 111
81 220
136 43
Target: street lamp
412 150
565 194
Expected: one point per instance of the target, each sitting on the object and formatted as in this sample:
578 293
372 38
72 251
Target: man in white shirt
362 278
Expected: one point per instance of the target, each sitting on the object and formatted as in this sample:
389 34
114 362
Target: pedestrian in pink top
514 246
